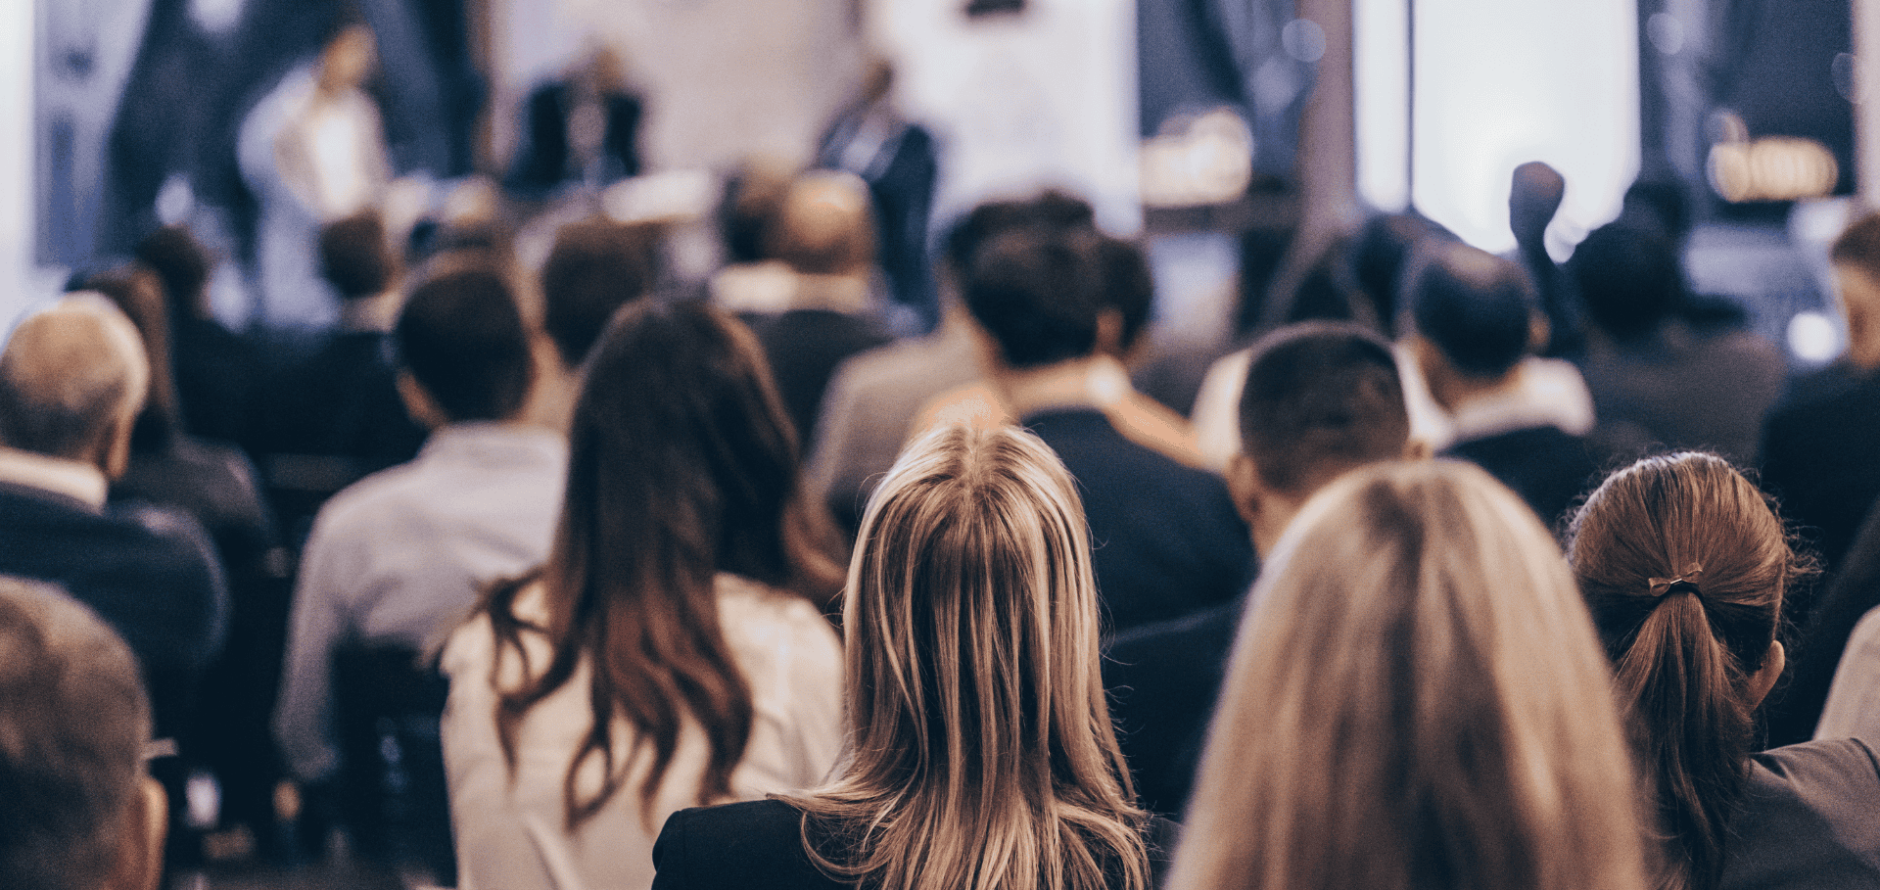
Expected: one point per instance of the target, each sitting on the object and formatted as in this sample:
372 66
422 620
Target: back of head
184 266
70 374
1684 566
355 256
1628 277
682 466
1534 196
462 338
981 749
1051 210
596 267
1037 294
1321 399
825 225
749 208
72 738
1416 700
1476 308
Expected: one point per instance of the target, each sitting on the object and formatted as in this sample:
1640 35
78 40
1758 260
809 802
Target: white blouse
511 830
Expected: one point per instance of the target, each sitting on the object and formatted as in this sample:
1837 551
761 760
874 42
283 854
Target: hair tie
1685 583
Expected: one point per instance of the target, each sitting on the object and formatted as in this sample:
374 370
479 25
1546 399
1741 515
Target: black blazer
758 845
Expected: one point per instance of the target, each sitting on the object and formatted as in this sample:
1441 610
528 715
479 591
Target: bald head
72 379
824 225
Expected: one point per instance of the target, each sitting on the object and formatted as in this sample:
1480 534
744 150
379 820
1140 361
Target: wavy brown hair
1416 700
682 465
1684 564
980 752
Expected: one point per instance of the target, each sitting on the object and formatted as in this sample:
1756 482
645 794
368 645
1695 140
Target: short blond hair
1417 699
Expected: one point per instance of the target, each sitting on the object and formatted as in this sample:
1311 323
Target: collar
1519 404
480 435
73 479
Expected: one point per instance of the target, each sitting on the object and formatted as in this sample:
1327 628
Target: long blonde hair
1416 700
981 753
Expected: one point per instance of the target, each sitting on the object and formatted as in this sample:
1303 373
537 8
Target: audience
1038 297
1417 699
399 558
1820 438
1657 382
824 234
81 813
980 752
1686 569
1319 400
1474 316
216 369
670 652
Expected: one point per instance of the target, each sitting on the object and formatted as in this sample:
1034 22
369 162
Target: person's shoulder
1847 764
752 844
770 624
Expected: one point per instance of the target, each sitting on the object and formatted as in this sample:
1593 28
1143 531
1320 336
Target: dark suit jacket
1165 538
1548 468
542 162
1163 680
804 347
149 573
758 845
1818 455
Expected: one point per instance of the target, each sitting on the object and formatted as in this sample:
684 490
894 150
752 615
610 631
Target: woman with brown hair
668 654
1416 700
980 754
1685 567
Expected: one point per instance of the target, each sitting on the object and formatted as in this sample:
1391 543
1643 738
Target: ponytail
1691 732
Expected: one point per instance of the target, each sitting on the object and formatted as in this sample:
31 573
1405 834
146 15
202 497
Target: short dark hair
1321 398
1628 278
596 267
1128 285
72 739
1474 307
1037 294
1859 245
182 263
1052 210
355 257
462 338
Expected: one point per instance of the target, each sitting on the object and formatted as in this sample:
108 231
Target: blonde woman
1416 700
980 753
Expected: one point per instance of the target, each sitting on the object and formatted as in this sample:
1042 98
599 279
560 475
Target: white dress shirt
403 555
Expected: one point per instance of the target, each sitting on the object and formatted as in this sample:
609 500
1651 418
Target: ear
1417 448
1765 677
419 403
139 864
115 452
1244 485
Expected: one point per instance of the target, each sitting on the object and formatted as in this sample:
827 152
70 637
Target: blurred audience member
595 267
335 416
1852 706
671 652
1821 437
873 398
312 151
1686 569
215 485
751 280
72 381
1171 540
397 559
216 370
1319 400
980 752
1417 699
1533 199
1656 383
899 161
824 234
1474 316
583 128
82 813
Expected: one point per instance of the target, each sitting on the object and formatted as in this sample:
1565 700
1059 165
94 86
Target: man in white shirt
400 557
